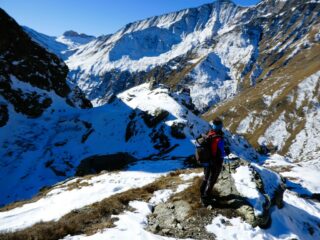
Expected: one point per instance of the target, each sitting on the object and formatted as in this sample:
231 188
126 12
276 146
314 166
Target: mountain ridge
215 62
261 76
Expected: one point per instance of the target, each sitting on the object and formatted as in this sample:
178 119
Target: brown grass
175 78
89 219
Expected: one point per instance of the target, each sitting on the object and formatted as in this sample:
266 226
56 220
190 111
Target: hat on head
217 124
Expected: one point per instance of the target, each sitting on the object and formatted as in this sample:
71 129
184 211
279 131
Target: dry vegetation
89 219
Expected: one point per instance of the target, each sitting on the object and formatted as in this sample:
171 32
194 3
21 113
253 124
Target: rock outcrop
30 76
243 189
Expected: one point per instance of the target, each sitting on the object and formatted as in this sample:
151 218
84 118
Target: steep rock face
275 111
25 63
30 77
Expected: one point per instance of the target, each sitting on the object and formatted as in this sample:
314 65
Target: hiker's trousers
211 174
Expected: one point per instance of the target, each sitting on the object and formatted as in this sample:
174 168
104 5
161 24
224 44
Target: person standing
213 168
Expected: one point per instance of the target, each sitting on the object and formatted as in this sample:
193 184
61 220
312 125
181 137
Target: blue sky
95 17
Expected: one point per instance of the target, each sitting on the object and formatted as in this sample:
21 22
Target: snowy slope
64 136
63 46
61 200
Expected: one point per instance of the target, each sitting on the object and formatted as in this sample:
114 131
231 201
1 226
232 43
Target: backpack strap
213 135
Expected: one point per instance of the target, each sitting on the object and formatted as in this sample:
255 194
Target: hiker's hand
227 150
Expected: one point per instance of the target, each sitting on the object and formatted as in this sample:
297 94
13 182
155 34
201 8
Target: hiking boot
207 201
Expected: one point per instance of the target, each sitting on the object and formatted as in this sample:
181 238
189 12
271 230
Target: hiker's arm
227 150
226 146
221 148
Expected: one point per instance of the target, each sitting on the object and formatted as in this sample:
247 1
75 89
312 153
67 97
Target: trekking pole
229 173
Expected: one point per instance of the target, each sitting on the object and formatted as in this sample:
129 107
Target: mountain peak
225 1
71 33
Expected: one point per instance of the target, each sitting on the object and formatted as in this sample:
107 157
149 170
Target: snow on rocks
211 83
255 190
148 101
298 219
245 185
273 184
161 196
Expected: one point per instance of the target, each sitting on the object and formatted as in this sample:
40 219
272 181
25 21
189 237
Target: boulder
153 119
267 186
177 130
4 115
98 163
168 216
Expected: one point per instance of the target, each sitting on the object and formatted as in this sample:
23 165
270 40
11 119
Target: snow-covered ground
61 200
131 224
294 221
297 219
302 176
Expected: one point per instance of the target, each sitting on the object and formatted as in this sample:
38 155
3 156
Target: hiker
213 167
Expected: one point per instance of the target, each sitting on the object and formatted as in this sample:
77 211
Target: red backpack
205 152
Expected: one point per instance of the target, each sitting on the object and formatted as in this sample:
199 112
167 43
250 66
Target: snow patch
276 134
294 221
243 178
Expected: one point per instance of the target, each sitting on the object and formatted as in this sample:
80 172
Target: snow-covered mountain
281 110
267 54
257 67
63 46
46 137
147 80
217 50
